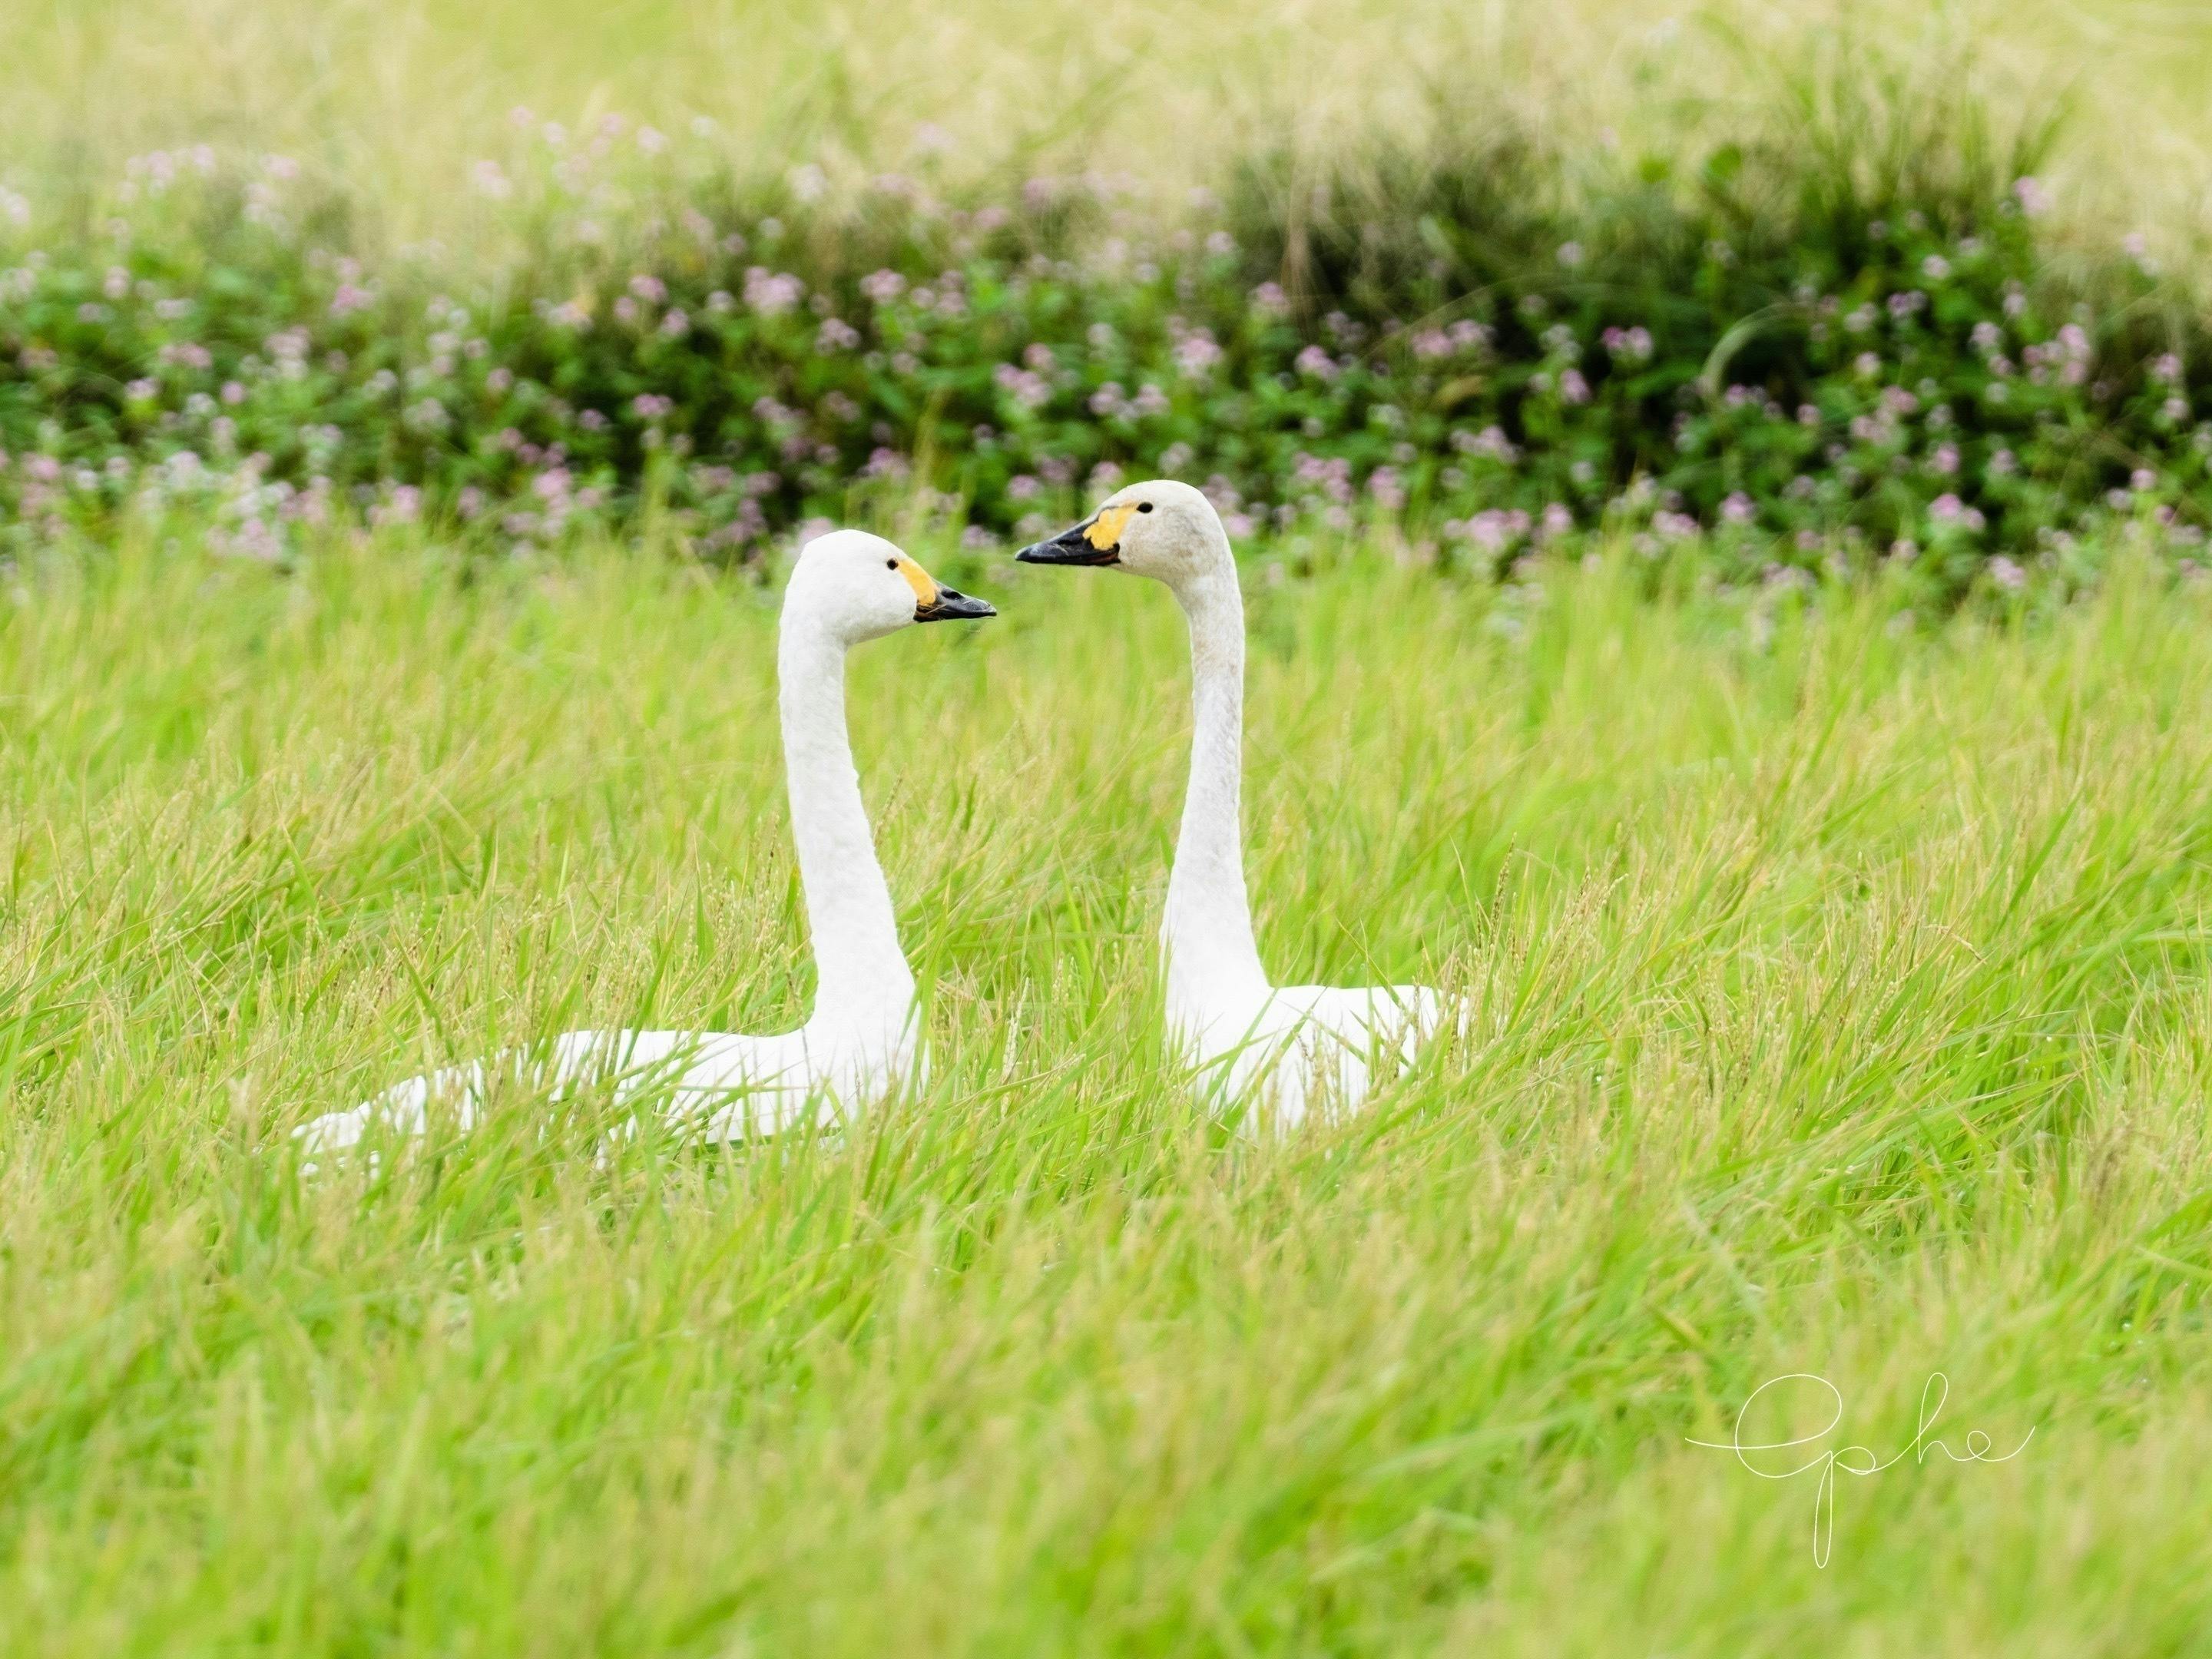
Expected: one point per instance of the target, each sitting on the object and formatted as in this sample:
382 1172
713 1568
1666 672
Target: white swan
861 1041
1307 1047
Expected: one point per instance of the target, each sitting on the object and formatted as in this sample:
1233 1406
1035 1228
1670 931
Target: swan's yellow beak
1097 540
935 603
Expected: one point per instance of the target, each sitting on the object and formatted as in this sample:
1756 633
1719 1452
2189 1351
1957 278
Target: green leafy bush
1816 357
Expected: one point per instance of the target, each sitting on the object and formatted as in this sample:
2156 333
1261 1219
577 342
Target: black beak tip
1069 547
952 605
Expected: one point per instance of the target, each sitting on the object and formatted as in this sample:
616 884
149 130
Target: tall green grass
1840 1006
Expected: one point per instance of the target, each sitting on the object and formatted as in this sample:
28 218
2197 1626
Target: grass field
1841 1007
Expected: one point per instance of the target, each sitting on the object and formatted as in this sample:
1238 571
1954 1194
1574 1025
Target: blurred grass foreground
1878 284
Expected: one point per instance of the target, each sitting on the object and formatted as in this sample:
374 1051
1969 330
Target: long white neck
863 976
1212 955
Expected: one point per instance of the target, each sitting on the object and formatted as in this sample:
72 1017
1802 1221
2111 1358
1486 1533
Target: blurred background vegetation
390 100
1836 284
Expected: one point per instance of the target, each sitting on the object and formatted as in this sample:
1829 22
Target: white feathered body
862 1042
1302 1051
711 1085
1279 1053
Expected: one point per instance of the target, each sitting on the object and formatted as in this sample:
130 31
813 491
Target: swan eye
890 564
1144 507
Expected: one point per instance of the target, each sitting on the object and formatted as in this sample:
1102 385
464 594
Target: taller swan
862 1040
1282 1050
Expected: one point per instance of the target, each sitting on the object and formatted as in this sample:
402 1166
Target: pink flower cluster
1463 336
1490 530
770 293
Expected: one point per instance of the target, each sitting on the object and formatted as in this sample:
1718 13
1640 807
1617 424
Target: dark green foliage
1840 338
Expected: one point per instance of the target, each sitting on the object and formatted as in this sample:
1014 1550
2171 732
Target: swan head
859 587
1162 529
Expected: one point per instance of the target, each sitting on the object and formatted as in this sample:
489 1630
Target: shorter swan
861 1041
1304 1047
